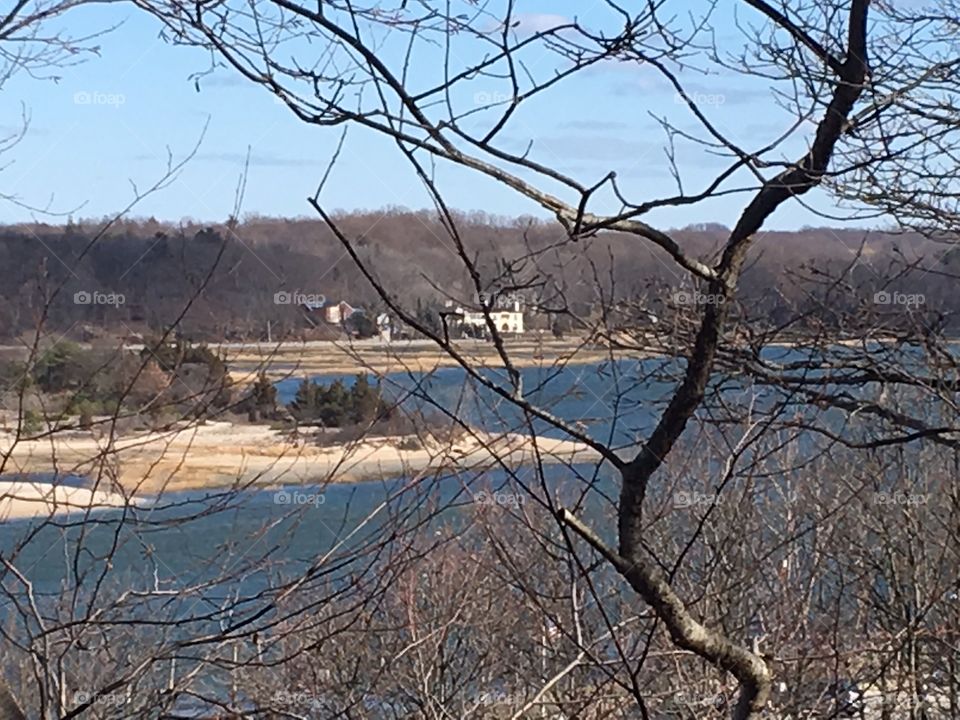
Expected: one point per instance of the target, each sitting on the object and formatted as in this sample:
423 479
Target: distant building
507 320
339 313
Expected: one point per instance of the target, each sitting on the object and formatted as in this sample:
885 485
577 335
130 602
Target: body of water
188 534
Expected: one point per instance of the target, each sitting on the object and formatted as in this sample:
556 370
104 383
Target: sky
108 124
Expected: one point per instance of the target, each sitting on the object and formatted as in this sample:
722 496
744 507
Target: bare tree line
154 266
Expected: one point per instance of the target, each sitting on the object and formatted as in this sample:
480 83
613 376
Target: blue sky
110 121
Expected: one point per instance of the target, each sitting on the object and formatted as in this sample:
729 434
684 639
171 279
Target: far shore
289 359
280 360
221 454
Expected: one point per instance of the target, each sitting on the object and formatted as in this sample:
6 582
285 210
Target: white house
507 320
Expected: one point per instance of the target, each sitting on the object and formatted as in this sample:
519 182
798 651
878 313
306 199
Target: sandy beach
222 454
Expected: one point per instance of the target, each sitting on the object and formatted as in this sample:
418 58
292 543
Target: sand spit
221 454
25 499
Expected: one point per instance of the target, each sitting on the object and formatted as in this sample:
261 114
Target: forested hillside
159 270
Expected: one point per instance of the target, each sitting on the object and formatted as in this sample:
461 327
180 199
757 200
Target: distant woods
161 383
224 281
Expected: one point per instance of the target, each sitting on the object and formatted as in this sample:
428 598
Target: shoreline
282 360
323 358
26 499
221 455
